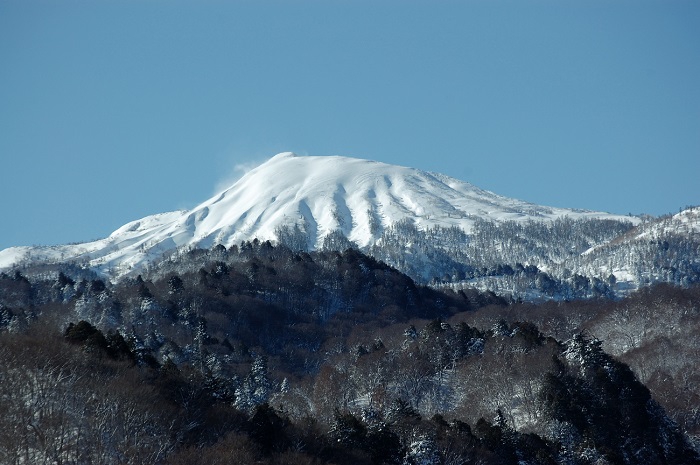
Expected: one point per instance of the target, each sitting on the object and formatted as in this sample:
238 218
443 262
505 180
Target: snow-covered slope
685 222
319 194
663 249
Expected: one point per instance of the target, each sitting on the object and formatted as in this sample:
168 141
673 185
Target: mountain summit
314 195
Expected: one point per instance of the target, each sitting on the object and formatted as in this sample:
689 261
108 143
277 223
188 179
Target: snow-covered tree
256 387
422 451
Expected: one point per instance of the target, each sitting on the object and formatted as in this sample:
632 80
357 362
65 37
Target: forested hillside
260 354
560 260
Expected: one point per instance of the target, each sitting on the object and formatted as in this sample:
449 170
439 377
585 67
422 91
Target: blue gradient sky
113 110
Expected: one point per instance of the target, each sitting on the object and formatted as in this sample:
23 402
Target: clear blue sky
113 110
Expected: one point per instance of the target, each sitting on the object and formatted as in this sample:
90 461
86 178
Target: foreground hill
260 354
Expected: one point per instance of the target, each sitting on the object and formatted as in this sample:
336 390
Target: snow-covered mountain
320 195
